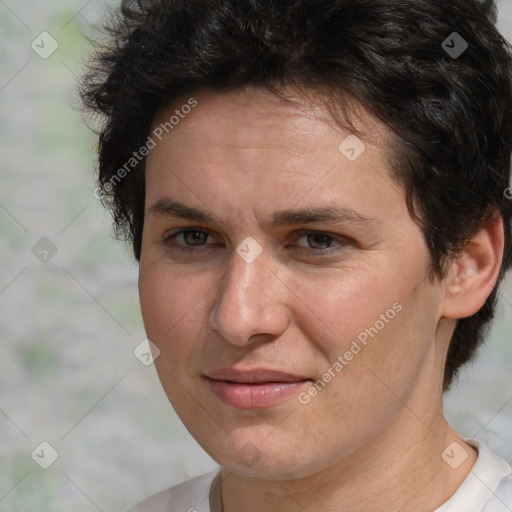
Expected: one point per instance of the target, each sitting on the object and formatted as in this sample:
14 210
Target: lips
254 388
254 375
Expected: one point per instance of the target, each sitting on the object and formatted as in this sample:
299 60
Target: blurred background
70 317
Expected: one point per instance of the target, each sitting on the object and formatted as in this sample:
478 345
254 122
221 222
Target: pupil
197 235
325 239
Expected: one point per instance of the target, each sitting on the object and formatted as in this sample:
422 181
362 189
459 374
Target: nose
250 304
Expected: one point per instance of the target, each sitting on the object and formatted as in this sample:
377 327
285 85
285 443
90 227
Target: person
317 194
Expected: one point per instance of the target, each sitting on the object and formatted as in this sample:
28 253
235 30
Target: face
288 292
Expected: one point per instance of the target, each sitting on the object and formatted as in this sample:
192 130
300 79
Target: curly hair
451 114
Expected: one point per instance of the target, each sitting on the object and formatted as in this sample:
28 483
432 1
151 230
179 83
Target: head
245 109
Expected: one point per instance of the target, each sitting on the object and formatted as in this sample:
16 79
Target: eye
320 242
192 237
317 242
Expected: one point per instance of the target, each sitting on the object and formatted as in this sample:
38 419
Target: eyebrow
329 214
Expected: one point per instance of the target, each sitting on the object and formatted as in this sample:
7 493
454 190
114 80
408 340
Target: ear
473 274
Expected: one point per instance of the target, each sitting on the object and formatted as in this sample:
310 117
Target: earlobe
473 274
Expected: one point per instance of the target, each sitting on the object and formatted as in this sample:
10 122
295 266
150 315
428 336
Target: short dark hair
450 114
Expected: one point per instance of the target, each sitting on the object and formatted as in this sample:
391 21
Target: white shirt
487 488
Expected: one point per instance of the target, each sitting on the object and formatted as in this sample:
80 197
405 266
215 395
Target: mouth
254 388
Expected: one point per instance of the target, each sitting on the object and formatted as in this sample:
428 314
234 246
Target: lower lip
254 396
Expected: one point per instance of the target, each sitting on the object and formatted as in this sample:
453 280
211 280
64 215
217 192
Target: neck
402 470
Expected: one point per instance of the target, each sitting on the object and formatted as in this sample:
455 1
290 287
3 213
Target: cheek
344 306
380 323
168 300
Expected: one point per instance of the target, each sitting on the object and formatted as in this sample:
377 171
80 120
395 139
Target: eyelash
167 241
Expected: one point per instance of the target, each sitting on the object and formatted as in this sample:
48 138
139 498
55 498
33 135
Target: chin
247 457
268 469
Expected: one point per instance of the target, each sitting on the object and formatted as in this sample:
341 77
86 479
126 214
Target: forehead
255 114
283 152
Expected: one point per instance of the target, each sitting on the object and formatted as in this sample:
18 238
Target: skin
372 439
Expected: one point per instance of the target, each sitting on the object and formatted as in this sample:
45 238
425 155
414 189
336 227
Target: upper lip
253 375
